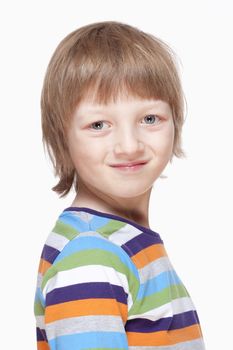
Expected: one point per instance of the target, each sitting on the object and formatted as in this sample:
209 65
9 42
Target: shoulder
77 250
91 249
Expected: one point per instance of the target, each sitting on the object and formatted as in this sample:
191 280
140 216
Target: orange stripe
147 255
164 338
42 345
44 265
85 307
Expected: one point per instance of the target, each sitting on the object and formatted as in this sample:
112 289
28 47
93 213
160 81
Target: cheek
169 135
169 138
84 152
162 142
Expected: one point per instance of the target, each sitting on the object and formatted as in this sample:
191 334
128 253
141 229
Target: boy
112 114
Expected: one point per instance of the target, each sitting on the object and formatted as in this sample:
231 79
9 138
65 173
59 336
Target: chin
130 192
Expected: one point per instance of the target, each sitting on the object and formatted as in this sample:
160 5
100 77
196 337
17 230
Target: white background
191 209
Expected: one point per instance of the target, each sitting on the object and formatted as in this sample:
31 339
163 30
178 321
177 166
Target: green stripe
65 230
111 227
38 309
93 257
158 299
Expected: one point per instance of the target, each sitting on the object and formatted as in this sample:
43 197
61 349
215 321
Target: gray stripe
56 241
197 344
84 324
84 216
40 321
39 280
155 268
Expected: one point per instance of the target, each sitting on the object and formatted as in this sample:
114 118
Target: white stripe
85 274
90 234
130 301
124 234
180 305
56 241
176 306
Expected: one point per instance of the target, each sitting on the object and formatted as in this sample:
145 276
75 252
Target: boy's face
131 130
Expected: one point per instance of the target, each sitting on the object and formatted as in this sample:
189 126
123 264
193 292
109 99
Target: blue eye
151 118
97 124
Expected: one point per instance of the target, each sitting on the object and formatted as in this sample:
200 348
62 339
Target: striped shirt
105 282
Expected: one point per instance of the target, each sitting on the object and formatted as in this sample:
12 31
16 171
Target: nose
127 142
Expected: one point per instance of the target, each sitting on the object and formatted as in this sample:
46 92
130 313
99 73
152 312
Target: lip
130 164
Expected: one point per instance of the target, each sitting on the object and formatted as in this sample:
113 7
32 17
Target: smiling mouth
130 166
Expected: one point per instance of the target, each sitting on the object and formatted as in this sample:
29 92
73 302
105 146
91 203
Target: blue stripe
91 242
93 224
156 284
39 298
98 222
90 340
74 221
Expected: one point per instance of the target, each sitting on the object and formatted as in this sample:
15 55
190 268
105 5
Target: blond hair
101 60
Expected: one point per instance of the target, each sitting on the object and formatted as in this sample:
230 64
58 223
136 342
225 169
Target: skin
129 130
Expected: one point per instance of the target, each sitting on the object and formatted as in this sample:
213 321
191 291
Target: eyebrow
100 108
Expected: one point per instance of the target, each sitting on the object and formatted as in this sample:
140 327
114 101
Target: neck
134 209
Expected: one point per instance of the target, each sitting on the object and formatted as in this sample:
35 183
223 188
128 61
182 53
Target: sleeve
87 296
